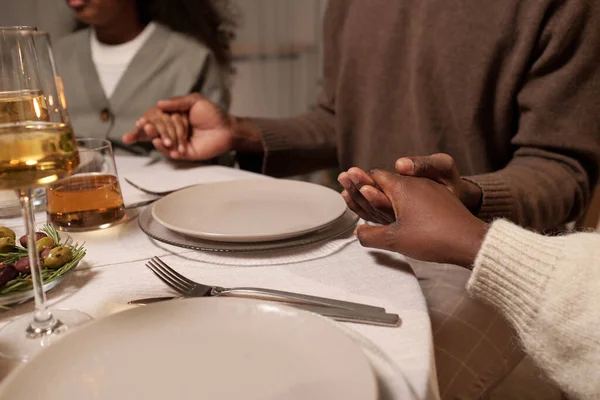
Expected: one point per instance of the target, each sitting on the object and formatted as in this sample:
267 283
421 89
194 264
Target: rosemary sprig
51 232
13 256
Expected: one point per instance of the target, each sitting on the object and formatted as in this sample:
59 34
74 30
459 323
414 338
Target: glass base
18 341
74 229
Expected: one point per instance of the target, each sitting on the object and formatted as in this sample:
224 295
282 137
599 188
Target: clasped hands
425 209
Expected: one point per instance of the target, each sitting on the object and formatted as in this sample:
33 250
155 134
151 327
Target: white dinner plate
199 349
249 210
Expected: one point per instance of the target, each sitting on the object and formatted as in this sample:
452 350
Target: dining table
113 272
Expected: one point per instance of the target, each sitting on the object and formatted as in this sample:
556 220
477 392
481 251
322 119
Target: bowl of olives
58 257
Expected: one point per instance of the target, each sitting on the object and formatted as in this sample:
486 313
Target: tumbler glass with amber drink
37 148
90 198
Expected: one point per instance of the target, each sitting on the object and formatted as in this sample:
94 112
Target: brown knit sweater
510 89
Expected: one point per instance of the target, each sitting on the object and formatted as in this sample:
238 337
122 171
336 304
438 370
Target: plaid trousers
475 348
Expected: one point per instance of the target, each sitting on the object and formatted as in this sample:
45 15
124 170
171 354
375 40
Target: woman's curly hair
211 22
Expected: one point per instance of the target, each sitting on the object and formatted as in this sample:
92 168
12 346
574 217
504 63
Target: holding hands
187 127
422 209
363 197
168 132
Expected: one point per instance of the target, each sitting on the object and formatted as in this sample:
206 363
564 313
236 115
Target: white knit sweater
549 289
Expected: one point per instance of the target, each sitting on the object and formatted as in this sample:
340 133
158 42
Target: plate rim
244 238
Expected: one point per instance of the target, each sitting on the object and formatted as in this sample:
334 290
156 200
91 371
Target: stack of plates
248 215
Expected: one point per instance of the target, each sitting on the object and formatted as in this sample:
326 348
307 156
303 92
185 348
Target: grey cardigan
168 64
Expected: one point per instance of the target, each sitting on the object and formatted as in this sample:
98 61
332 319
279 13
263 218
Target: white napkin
175 175
158 174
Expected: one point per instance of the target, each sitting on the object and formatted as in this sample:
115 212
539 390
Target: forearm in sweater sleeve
547 287
300 144
296 145
557 144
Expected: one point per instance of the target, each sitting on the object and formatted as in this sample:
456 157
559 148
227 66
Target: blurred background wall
52 16
277 55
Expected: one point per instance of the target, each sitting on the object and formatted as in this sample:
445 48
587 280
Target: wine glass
9 202
37 148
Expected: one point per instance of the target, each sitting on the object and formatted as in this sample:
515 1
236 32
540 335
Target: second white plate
249 210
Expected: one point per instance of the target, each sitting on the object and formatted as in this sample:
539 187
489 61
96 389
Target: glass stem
43 321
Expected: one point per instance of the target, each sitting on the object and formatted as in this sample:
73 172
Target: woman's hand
167 131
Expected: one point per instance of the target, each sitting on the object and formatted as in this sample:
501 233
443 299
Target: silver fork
155 193
189 288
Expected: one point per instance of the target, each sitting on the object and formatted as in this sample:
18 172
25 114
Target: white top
112 60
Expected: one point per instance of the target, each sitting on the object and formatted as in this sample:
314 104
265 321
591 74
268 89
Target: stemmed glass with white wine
37 148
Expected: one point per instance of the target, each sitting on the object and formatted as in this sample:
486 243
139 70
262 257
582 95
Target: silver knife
338 314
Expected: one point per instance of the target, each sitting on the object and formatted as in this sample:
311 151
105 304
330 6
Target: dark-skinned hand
167 131
430 223
202 132
364 197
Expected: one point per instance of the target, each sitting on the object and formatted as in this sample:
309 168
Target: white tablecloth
113 272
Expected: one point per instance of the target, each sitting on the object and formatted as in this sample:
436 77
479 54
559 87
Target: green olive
44 243
6 232
58 257
6 244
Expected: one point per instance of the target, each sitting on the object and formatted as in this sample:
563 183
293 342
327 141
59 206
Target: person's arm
296 145
548 288
557 145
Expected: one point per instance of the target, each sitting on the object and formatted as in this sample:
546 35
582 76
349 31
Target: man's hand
368 202
211 132
431 224
441 168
